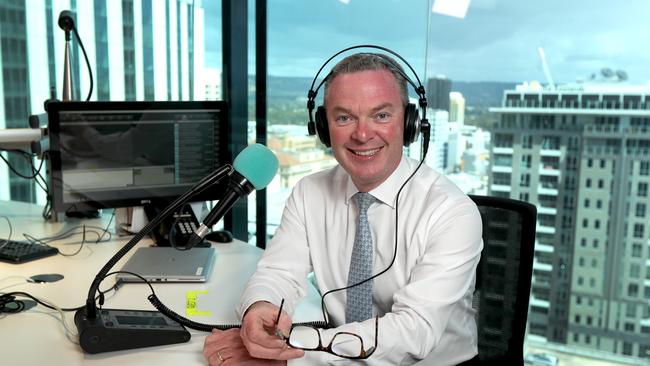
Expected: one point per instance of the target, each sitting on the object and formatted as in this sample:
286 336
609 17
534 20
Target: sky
496 41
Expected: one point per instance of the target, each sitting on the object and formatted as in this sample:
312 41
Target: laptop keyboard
20 251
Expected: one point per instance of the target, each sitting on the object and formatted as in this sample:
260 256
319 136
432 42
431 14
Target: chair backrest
503 278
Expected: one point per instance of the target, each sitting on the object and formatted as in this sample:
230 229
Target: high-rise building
212 82
16 85
438 89
581 154
137 49
456 108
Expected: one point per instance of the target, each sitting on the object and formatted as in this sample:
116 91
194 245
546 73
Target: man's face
365 115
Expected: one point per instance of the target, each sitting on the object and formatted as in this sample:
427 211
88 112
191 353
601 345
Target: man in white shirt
426 240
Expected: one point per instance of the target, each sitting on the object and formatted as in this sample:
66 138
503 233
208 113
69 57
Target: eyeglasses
343 344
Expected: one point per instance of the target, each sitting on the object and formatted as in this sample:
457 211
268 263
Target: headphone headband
419 89
413 124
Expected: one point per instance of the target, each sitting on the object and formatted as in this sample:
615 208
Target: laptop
166 264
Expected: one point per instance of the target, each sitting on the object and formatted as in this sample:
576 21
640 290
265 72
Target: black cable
323 307
11 230
10 298
10 305
83 241
13 169
155 301
172 230
90 71
36 175
106 229
70 232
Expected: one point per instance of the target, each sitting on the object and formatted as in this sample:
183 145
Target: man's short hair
369 61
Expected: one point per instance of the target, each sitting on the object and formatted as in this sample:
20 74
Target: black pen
277 321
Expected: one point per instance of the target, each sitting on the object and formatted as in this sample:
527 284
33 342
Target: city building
581 153
212 82
122 39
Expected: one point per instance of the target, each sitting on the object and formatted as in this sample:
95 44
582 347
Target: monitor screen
118 154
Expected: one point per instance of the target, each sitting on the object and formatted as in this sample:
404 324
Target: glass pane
302 35
138 50
548 96
304 337
521 96
346 345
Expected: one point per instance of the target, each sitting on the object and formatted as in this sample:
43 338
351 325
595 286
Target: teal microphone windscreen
258 164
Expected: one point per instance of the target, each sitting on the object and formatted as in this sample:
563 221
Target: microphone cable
90 71
171 314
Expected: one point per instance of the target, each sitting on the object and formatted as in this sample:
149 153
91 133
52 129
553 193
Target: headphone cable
425 141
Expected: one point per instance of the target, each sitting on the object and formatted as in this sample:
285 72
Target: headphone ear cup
321 126
411 123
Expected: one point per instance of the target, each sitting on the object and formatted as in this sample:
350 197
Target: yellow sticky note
191 303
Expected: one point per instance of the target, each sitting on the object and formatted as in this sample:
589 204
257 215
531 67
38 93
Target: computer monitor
119 154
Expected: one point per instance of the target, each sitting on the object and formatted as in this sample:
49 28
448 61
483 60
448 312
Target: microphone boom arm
212 178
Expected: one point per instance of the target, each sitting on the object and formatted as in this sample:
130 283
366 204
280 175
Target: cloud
497 40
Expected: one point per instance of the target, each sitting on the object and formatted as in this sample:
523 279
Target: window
640 210
627 348
632 290
636 250
638 230
642 190
630 310
477 64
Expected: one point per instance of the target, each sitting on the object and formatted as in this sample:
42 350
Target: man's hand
226 348
258 332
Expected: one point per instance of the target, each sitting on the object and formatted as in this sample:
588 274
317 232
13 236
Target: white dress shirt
424 300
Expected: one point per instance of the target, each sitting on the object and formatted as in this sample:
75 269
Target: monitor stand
176 229
87 214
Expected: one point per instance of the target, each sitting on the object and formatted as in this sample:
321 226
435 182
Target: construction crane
547 71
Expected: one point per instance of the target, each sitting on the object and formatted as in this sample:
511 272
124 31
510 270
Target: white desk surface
37 337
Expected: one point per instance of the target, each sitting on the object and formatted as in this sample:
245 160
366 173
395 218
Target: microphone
254 168
66 20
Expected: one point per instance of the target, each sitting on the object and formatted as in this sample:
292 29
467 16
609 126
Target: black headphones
413 124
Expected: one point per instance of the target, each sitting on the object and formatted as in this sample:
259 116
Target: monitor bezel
55 163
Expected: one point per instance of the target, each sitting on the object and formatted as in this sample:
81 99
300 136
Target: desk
36 336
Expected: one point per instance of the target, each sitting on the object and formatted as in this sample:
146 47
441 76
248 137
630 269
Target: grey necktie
359 303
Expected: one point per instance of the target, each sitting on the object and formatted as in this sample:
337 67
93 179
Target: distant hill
482 94
287 96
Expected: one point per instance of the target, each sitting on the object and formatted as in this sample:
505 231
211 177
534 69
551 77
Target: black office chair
503 278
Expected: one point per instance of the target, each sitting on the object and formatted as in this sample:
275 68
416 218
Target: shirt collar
387 191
